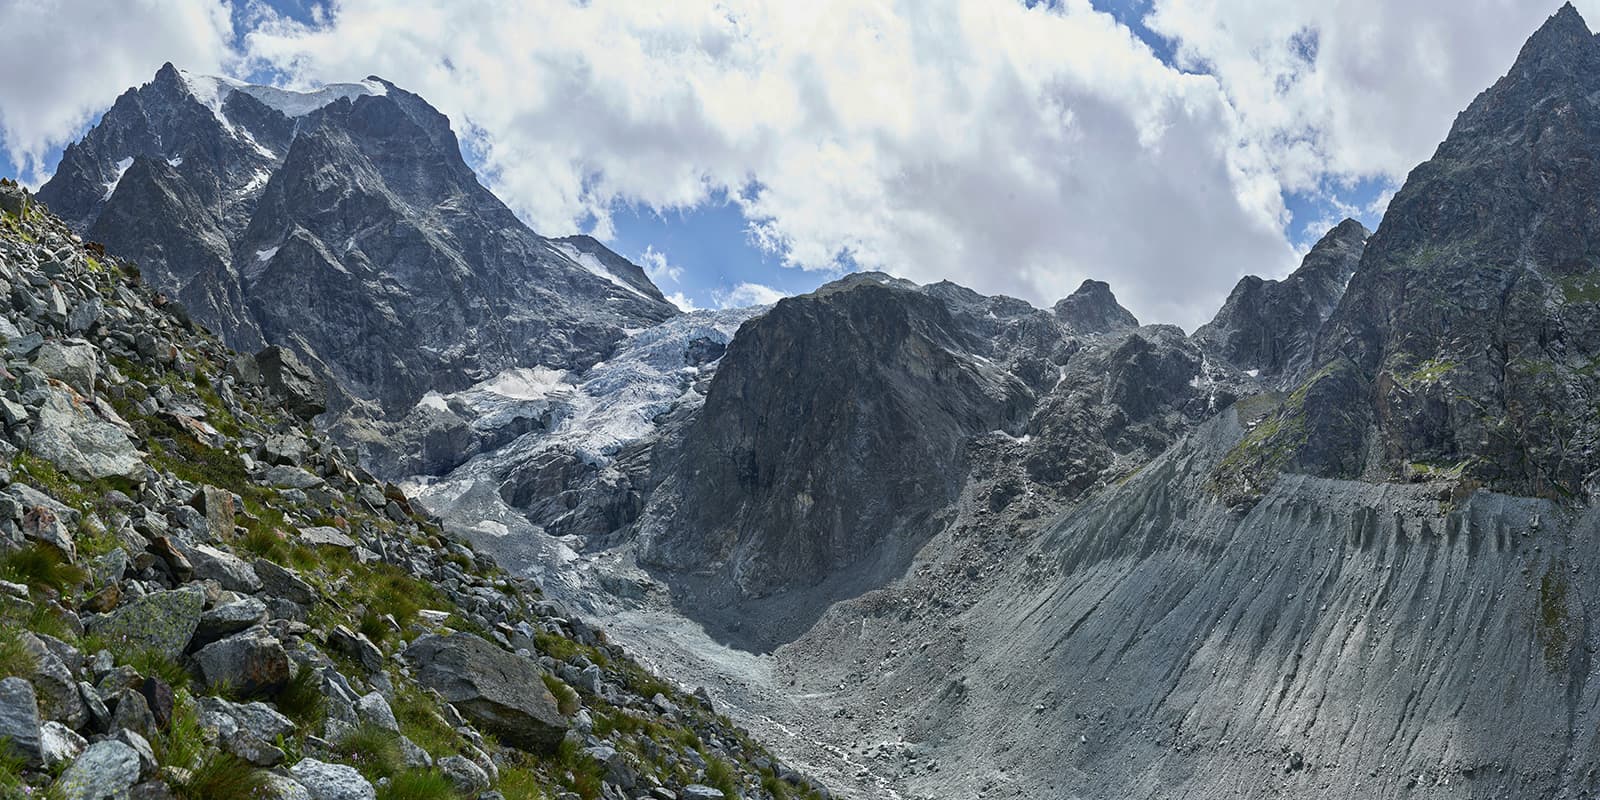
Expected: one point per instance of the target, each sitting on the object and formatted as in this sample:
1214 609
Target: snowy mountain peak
213 90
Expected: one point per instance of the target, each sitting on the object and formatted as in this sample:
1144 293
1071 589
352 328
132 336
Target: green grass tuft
418 784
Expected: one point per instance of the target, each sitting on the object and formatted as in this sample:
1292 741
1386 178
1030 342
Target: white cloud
748 294
1011 149
682 301
1351 87
655 265
64 62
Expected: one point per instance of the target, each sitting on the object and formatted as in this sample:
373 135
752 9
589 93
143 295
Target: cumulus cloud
1010 148
64 62
682 301
1352 88
655 265
748 294
1016 150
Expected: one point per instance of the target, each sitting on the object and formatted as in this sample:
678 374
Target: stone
80 443
177 562
19 720
499 691
42 524
259 718
228 619
217 505
53 685
74 364
357 646
324 781
59 744
467 777
13 198
140 745
284 449
280 787
278 581
696 791
132 711
291 478
160 621
251 662
283 374
107 769
324 536
373 709
158 695
223 567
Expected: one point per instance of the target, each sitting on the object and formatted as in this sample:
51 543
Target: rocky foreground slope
203 599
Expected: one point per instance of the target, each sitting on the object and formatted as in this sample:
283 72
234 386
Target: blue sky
1346 167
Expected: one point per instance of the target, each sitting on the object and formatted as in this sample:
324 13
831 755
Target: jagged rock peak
1094 309
1564 31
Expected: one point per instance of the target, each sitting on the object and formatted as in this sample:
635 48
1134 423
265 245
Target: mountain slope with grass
201 598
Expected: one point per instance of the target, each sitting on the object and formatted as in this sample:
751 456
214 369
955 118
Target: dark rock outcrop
500 691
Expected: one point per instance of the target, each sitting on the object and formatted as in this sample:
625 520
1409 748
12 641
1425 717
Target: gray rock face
250 662
1464 342
1093 309
302 392
498 690
1270 327
85 445
347 229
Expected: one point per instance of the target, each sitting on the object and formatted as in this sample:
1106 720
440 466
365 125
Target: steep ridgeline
344 224
203 599
1466 347
1269 328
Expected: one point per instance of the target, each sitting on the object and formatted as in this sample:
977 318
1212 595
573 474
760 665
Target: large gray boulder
324 781
19 719
73 437
250 662
290 380
160 621
72 363
107 769
499 691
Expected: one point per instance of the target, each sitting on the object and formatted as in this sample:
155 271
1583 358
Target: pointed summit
1094 309
1563 36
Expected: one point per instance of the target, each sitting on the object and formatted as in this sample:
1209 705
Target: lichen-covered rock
161 621
324 781
107 769
73 437
251 662
19 719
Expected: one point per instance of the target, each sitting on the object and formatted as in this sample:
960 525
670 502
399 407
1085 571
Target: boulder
224 568
160 621
696 791
72 363
251 662
19 720
499 691
324 781
468 778
53 685
324 536
107 769
292 382
59 744
75 439
277 581
217 505
13 198
228 619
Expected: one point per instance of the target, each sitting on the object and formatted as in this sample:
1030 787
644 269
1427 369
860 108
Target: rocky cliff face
1269 328
343 224
1465 345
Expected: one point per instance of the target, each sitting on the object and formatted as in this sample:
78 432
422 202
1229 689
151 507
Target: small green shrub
566 697
15 659
721 776
417 784
40 566
220 775
302 700
183 743
373 751
160 665
420 722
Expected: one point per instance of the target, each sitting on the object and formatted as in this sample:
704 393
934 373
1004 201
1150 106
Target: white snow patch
175 162
1254 373
257 181
529 383
592 264
122 169
434 400
267 254
213 90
